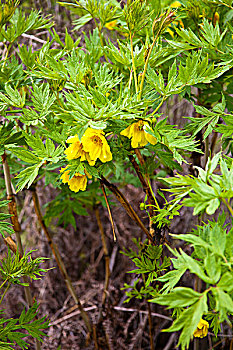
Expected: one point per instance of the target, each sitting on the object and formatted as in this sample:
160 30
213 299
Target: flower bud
142 206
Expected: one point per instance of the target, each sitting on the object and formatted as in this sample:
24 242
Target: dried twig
150 326
33 37
72 314
117 308
170 342
138 336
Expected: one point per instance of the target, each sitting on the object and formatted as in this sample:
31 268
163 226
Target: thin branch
117 308
170 342
109 210
106 256
150 326
59 261
221 335
121 198
33 37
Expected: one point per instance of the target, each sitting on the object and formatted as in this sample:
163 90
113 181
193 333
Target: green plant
78 118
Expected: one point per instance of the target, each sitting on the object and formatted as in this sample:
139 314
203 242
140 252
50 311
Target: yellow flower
96 146
75 150
175 4
78 181
216 18
137 134
111 25
202 329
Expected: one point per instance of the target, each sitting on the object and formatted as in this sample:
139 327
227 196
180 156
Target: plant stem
146 65
150 327
141 160
121 198
160 104
5 291
3 283
7 53
95 338
130 79
150 194
16 226
59 261
149 318
106 256
133 63
109 211
146 188
228 205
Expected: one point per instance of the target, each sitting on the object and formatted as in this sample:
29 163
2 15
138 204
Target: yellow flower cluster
139 137
202 329
93 145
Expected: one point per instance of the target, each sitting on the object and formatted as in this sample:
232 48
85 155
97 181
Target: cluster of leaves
12 331
148 263
211 261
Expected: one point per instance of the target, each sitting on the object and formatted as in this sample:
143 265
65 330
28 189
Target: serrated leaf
226 282
188 321
218 239
24 155
27 176
178 297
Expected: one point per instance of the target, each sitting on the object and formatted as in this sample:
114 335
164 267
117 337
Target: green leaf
188 321
213 267
195 267
24 155
226 282
27 176
172 278
218 239
223 300
213 206
178 297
